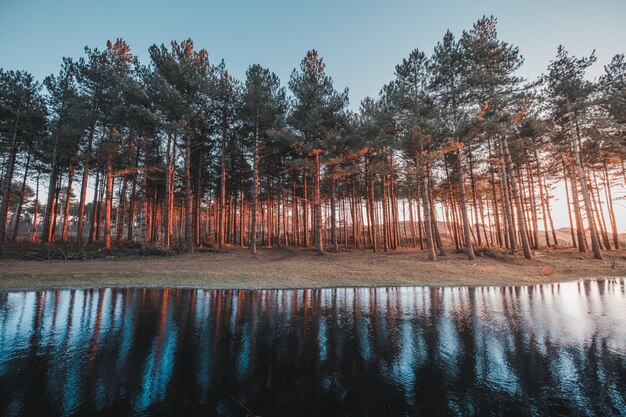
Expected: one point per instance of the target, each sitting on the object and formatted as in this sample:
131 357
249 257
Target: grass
236 268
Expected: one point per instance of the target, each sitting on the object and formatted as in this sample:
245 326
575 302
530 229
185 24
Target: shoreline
237 269
337 287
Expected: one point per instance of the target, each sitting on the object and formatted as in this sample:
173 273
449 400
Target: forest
178 153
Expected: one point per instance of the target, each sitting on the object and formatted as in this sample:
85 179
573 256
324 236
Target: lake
557 349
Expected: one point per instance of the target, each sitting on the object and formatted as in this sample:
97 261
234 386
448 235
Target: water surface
555 349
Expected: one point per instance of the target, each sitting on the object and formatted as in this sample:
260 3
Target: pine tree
22 119
92 77
264 107
496 91
317 109
568 94
448 66
67 127
416 113
182 84
227 104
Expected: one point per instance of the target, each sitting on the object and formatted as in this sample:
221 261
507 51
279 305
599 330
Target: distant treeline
178 150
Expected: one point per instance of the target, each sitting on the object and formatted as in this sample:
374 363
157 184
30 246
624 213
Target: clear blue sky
361 41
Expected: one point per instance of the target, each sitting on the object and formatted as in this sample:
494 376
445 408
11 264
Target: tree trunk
580 228
542 199
167 209
372 222
516 197
131 206
474 199
545 186
55 212
597 202
109 203
189 241
420 223
433 214
509 230
285 207
353 214
46 235
430 244
220 225
83 186
121 212
533 205
70 178
295 212
595 245
495 204
255 187
144 216
20 204
424 188
35 215
384 213
610 203
469 249
6 187
318 204
94 210
569 207
268 211
333 214
306 209
242 220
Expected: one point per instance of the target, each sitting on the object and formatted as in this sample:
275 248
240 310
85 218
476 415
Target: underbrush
72 251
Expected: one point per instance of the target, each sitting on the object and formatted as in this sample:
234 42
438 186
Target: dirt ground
296 268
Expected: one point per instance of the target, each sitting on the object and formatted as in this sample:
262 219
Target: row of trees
457 145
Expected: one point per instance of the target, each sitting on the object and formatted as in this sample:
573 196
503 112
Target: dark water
542 350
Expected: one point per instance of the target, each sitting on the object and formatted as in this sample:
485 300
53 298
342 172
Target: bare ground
295 268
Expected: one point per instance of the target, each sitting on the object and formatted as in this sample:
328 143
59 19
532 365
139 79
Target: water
540 350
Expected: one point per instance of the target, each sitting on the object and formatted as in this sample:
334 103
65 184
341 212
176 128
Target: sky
361 41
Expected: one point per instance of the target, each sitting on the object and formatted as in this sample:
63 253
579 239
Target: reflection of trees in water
395 351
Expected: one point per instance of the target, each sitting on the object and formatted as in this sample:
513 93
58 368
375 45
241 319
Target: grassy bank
294 268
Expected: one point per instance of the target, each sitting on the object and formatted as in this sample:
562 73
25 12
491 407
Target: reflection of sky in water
322 339
159 365
202 340
403 368
420 350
